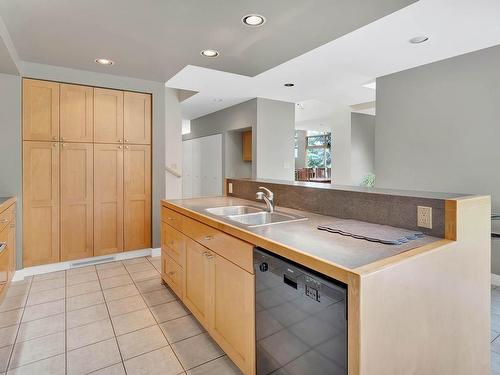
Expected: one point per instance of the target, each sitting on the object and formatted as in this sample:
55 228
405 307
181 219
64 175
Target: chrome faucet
268 198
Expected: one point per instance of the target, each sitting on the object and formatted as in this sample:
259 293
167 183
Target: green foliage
368 180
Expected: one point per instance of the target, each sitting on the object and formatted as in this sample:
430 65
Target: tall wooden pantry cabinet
86 171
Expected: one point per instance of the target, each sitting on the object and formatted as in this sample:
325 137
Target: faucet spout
267 197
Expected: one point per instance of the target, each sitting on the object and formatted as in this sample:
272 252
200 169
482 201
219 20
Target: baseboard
62 266
495 279
156 252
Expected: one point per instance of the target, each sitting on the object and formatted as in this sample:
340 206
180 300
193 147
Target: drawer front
173 274
6 217
237 251
4 262
173 244
171 217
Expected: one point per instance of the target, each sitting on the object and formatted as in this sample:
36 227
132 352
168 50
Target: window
318 149
296 145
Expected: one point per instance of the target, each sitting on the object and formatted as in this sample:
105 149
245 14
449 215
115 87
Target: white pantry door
202 167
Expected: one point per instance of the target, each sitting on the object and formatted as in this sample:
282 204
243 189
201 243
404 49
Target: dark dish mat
371 232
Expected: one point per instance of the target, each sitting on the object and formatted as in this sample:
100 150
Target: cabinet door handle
170 218
62 138
210 256
3 246
208 238
119 141
171 273
205 253
126 147
120 147
126 140
4 221
54 138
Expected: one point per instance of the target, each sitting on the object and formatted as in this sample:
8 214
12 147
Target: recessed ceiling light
209 53
419 39
371 85
253 20
104 61
289 84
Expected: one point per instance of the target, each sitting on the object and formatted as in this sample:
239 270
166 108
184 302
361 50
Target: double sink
252 217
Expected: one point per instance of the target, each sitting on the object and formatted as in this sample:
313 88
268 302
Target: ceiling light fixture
107 62
419 39
253 20
209 53
289 84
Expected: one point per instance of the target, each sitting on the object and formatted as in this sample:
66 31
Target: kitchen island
419 309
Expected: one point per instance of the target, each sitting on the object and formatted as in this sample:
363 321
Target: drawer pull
171 273
210 256
4 221
208 238
3 246
170 218
205 253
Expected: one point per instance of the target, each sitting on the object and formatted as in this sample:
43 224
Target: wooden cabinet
40 203
77 191
218 291
137 118
108 198
40 110
80 198
7 247
76 113
108 116
137 197
233 317
246 145
197 281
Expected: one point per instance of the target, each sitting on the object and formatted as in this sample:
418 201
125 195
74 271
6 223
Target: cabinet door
108 116
4 256
137 118
77 190
40 203
76 122
108 199
137 197
40 110
196 284
12 246
233 320
246 143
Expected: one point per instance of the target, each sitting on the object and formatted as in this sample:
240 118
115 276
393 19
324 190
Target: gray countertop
303 236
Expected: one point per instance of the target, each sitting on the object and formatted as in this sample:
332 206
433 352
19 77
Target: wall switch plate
424 217
230 188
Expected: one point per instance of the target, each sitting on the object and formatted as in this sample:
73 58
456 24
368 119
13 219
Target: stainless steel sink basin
265 218
233 210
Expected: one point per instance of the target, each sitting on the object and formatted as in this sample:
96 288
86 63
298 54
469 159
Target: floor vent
92 262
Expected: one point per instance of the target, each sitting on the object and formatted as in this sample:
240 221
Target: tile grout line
113 328
7 369
149 309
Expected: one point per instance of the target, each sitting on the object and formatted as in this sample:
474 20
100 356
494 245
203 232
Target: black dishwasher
301 319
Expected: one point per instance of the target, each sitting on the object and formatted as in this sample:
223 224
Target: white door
202 166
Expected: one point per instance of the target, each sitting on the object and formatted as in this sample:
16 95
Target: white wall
362 146
273 140
173 145
10 148
438 126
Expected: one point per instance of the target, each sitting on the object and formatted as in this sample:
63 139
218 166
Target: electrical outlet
230 188
424 217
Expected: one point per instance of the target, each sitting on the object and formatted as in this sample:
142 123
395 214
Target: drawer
4 262
6 217
171 217
172 242
233 249
173 274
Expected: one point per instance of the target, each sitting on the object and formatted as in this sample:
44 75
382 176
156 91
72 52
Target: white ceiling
333 75
154 39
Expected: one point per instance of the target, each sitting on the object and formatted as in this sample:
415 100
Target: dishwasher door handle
3 246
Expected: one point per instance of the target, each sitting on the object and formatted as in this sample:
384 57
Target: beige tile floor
110 319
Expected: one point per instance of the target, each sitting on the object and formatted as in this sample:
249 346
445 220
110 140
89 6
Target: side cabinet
217 285
7 248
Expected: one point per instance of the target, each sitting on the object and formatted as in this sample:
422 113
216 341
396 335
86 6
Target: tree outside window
318 150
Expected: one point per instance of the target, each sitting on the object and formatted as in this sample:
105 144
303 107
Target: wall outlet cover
424 217
230 188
